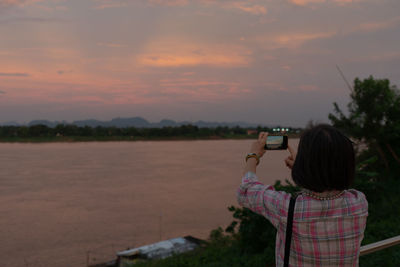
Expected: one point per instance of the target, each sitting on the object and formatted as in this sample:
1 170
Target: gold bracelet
253 155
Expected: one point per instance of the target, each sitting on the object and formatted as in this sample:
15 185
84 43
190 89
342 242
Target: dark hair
325 160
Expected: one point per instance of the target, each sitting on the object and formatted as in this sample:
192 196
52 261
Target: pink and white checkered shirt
325 232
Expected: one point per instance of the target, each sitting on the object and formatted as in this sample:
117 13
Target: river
63 204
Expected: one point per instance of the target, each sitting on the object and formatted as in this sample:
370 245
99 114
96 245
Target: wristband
253 155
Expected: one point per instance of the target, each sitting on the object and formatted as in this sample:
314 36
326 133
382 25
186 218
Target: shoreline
80 139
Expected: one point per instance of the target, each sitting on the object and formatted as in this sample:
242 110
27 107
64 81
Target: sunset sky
260 61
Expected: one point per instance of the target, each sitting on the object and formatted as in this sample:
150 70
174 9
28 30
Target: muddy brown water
66 204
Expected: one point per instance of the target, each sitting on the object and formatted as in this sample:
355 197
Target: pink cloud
103 4
109 4
344 2
175 52
244 6
14 74
188 73
377 25
171 60
311 2
64 92
249 8
305 2
10 3
209 91
112 45
168 2
294 40
308 88
179 82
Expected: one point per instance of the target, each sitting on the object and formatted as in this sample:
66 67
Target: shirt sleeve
263 199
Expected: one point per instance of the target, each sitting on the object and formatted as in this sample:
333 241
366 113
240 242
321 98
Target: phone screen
278 142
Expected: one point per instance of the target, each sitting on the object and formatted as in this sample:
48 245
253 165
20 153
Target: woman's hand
258 146
289 161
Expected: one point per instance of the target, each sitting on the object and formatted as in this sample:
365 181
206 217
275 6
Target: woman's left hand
258 146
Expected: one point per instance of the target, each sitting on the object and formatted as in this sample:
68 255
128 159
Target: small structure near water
159 250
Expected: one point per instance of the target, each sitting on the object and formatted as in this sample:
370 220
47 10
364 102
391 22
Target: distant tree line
70 130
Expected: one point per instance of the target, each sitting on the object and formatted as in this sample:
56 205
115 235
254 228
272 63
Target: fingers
291 151
262 137
289 162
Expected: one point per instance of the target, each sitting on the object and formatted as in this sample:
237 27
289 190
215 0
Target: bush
250 239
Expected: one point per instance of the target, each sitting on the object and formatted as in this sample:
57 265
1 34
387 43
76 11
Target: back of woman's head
325 160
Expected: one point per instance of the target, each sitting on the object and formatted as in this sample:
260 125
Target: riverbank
69 139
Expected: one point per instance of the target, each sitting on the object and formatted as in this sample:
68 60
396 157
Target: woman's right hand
289 161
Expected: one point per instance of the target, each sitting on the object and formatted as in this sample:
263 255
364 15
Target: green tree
39 130
373 118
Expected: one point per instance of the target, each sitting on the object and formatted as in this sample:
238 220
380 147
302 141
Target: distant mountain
137 122
10 123
46 122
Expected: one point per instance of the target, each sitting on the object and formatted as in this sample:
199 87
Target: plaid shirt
325 232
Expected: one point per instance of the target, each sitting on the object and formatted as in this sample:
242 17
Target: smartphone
276 142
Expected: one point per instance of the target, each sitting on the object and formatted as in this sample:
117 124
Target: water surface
64 203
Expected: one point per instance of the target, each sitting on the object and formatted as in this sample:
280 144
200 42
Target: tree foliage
373 119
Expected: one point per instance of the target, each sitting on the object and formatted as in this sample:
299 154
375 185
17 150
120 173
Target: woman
329 218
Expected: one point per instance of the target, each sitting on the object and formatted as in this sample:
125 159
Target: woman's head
325 160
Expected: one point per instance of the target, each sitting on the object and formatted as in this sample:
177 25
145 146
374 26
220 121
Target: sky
259 61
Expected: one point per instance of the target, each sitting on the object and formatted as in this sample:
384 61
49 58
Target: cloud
180 60
249 8
201 90
383 56
62 72
2 92
244 6
290 40
168 2
305 2
6 5
312 2
293 40
344 2
308 88
286 67
112 45
5 74
179 53
11 3
103 4
377 25
31 20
